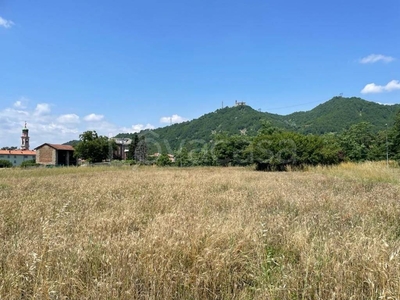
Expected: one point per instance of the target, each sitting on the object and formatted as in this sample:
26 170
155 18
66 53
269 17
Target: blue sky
120 66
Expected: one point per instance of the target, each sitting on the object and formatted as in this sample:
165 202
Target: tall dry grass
201 233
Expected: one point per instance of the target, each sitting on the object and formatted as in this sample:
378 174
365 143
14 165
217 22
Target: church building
18 156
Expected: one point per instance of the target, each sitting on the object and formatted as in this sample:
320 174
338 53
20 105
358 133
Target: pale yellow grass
205 233
367 171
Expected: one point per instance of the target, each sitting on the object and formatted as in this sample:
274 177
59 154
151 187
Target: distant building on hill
238 103
18 156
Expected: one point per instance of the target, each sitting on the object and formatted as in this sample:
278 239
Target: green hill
334 115
340 113
229 120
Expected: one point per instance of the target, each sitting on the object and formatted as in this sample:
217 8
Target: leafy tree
132 146
93 147
141 151
273 151
163 160
358 141
5 163
202 157
195 157
182 158
318 150
277 150
206 158
378 149
9 148
230 150
267 128
395 138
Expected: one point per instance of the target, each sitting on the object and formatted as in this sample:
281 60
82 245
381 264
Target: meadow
200 233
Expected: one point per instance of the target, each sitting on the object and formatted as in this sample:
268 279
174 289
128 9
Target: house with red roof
17 157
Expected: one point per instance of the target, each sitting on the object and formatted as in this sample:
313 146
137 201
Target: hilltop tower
25 138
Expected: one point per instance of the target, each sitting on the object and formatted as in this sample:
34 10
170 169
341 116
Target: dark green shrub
5 163
29 163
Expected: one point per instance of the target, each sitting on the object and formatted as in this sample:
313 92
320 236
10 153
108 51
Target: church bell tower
25 138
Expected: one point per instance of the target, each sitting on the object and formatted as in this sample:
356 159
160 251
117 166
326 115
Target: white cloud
46 127
14 117
374 88
18 104
53 129
93 118
68 118
393 85
21 103
140 127
373 58
173 119
137 128
42 109
6 23
387 104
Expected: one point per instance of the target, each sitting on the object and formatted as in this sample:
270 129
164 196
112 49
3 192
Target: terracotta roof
62 147
58 147
17 152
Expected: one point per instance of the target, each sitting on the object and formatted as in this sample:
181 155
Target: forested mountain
334 115
228 120
340 113
72 143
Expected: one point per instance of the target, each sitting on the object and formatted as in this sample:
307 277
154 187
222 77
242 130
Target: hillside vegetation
340 113
335 115
200 233
229 120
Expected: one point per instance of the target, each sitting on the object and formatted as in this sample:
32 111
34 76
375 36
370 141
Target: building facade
239 103
17 157
56 155
122 147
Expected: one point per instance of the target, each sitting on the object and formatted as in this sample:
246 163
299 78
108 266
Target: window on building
15 156
8 156
15 161
25 156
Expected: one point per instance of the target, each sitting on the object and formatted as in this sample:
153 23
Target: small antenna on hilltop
222 104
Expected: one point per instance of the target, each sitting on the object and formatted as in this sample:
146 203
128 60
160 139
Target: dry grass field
201 233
